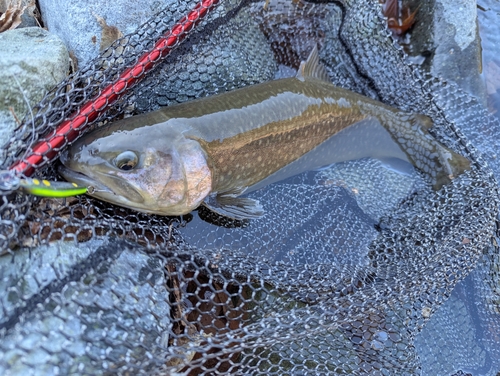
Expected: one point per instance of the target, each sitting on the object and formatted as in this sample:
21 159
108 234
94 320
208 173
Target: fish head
153 169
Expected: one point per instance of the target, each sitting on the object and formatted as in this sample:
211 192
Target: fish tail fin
451 163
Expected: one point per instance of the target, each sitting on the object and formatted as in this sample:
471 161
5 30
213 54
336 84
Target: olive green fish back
307 115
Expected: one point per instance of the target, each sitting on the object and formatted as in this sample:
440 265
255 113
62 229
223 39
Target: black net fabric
342 274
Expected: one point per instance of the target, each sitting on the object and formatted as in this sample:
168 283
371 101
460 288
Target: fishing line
31 115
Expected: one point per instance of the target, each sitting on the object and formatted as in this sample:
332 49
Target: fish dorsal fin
312 68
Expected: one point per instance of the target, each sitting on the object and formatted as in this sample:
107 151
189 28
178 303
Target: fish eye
126 161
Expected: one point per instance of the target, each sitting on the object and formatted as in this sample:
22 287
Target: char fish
209 151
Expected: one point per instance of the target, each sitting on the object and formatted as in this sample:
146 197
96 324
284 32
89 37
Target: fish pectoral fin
228 204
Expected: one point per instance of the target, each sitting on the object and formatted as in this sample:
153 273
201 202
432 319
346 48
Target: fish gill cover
348 266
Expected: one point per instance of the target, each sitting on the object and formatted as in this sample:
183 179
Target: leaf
11 17
109 33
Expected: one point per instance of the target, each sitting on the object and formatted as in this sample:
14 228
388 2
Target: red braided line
68 130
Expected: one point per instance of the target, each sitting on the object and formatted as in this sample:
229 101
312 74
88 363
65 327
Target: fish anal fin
312 68
228 204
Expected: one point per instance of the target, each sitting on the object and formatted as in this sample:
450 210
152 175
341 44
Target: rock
28 18
446 38
449 340
489 19
233 55
80 23
101 305
463 41
31 63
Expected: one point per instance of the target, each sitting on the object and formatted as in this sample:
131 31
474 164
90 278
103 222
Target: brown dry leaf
12 10
11 17
109 33
73 61
492 77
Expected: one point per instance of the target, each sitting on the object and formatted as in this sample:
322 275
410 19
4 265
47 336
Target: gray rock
446 39
458 336
28 18
76 22
460 17
444 349
31 63
60 303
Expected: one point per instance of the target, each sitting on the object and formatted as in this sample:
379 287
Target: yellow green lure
37 187
55 189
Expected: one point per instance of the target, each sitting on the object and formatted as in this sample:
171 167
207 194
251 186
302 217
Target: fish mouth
123 194
83 180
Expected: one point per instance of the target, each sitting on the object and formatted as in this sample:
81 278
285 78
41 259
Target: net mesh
341 276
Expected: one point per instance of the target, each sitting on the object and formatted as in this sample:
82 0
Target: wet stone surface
445 41
32 62
87 26
54 332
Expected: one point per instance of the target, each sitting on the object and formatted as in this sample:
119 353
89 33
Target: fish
212 150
